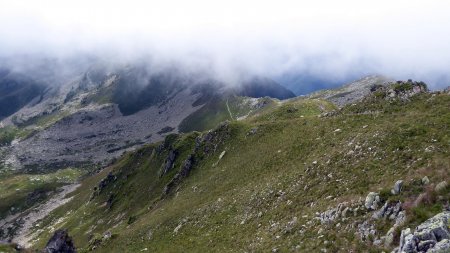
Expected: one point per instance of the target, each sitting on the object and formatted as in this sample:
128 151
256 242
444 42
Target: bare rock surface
95 136
60 242
431 236
353 91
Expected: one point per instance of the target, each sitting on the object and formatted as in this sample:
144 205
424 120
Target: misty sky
327 40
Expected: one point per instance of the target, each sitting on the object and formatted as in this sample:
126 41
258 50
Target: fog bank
324 42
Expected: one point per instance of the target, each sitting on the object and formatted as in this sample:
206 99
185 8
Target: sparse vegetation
20 191
7 135
262 193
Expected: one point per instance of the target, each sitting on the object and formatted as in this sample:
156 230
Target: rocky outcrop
60 242
405 90
332 214
431 236
391 211
402 90
441 247
352 92
205 145
169 162
397 187
184 172
363 216
187 166
441 186
366 230
209 142
106 181
372 201
109 179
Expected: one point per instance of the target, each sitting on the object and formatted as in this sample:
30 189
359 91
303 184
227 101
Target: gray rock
426 245
441 186
396 211
400 219
388 210
252 131
378 242
431 236
389 238
435 228
381 212
184 172
397 187
366 230
333 214
107 235
409 244
372 201
352 92
60 242
441 247
169 163
425 180
403 235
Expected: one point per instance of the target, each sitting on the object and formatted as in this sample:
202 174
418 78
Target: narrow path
229 111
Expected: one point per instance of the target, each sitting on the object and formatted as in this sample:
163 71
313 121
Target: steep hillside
291 178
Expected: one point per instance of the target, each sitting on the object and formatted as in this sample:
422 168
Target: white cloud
402 38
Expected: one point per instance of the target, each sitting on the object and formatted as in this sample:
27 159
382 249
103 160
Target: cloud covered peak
333 41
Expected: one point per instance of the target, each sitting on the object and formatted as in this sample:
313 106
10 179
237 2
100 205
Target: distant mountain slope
264 87
303 83
16 91
351 92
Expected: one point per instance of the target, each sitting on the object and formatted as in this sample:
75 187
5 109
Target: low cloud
332 41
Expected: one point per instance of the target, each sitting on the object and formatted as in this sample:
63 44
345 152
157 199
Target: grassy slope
216 111
15 188
246 201
7 135
206 117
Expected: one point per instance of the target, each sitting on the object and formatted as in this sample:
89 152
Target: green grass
7 135
7 249
214 112
28 128
295 109
246 201
15 188
44 121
